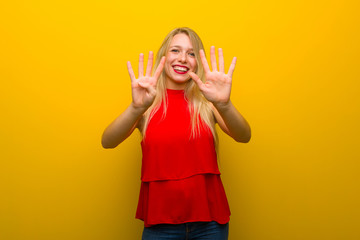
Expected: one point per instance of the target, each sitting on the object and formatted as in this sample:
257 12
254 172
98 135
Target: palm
217 85
144 87
141 96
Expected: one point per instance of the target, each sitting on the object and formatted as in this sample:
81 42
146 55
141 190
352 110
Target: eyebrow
178 46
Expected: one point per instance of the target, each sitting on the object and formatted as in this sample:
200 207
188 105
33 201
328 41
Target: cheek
168 62
168 68
194 64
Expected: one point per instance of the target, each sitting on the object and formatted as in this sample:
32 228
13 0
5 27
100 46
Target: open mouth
180 69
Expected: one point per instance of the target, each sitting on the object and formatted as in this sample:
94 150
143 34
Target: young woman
176 109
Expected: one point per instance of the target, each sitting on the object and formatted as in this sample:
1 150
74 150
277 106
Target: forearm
121 127
236 125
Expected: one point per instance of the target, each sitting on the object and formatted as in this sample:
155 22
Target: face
180 59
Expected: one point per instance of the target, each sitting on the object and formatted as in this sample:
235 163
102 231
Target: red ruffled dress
180 178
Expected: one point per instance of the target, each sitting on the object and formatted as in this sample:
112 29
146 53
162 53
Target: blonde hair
200 108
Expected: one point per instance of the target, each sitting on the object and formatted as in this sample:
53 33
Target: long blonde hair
200 108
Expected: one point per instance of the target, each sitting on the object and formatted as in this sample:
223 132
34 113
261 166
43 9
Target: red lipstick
180 72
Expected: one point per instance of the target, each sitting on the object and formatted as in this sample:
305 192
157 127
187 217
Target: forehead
181 40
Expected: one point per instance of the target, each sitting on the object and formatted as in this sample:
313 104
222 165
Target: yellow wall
64 79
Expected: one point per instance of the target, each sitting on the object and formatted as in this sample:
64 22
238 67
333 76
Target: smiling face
180 59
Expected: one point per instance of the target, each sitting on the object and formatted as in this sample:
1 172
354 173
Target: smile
180 69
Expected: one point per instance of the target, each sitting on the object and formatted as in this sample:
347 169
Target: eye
174 50
192 54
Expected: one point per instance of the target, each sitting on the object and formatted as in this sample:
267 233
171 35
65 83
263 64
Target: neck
174 85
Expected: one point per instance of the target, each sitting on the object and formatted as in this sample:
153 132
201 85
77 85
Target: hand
143 88
217 86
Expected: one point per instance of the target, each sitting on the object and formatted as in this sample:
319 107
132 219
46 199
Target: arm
122 127
232 122
143 95
216 89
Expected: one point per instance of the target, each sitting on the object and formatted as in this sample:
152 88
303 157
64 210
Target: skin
216 89
181 54
143 94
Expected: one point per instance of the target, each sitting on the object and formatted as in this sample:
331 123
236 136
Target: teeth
180 68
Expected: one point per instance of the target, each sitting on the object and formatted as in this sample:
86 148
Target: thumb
149 88
196 79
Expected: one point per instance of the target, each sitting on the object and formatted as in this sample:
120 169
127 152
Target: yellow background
64 79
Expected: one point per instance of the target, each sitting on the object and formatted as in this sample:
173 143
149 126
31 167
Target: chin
181 81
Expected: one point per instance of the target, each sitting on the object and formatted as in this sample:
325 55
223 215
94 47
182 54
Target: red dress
180 179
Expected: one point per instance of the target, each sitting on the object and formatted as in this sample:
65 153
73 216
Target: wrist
222 106
137 110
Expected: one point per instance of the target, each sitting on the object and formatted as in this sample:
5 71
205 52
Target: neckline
175 91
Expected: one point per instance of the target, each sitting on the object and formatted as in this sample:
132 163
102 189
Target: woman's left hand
217 85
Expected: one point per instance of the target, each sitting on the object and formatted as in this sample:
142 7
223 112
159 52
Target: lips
180 69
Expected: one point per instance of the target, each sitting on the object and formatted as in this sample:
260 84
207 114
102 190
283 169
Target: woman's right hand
144 87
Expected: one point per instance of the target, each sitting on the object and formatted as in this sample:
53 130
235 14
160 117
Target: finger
149 64
232 67
204 61
131 72
213 58
144 84
141 65
159 68
221 61
149 88
197 80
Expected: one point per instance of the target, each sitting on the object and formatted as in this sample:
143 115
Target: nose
182 57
